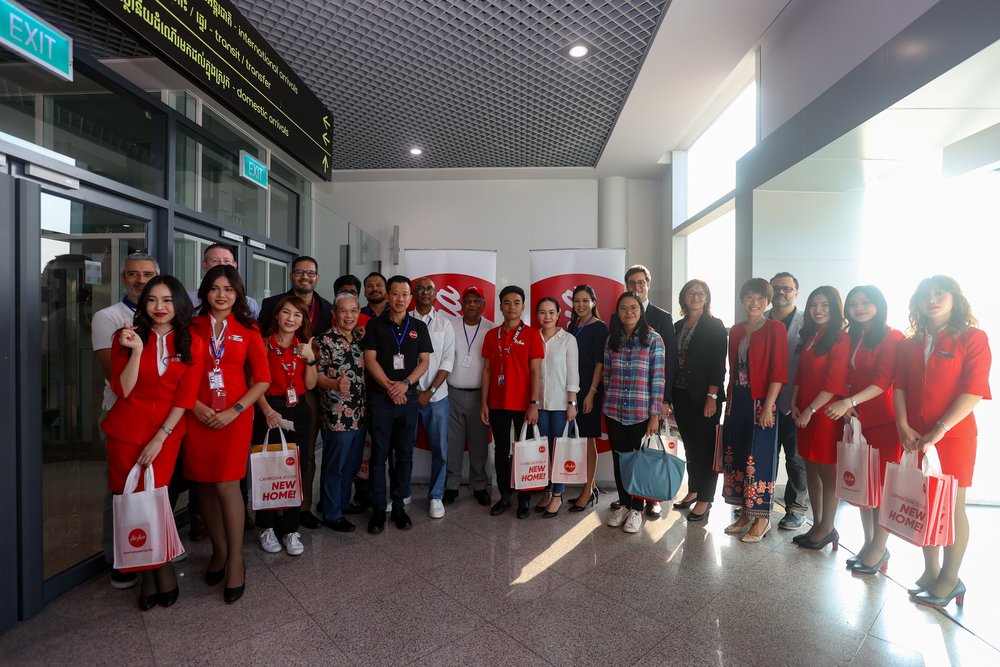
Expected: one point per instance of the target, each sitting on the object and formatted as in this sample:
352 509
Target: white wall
812 44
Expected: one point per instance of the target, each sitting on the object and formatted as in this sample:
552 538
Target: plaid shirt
631 376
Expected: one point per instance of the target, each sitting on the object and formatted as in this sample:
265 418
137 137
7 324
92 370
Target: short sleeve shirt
105 324
336 353
389 339
510 352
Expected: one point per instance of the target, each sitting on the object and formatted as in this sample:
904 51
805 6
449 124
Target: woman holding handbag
820 379
221 423
942 372
560 384
156 367
634 378
869 381
292 364
699 371
591 334
758 363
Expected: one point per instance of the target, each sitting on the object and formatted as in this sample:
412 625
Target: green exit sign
26 34
253 170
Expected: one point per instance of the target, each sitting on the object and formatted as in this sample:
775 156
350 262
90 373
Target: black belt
450 388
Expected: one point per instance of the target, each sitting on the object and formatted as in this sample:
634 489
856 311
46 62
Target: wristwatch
573 403
715 396
406 381
854 403
534 402
238 408
433 390
312 363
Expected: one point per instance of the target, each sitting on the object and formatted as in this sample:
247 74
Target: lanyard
217 345
399 339
861 341
815 337
504 353
576 334
128 304
470 342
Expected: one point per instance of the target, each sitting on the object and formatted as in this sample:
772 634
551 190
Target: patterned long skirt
750 456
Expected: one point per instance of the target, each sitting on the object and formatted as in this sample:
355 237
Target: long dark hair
961 312
182 315
876 329
304 332
833 329
618 329
241 309
574 319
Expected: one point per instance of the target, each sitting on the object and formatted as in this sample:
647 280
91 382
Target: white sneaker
292 544
634 522
269 542
437 508
618 517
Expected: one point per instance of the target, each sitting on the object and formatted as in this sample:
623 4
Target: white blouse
560 370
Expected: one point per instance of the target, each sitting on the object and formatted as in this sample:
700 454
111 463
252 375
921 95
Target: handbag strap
576 429
132 481
524 430
267 438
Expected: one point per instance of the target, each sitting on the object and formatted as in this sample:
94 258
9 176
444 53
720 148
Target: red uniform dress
828 372
220 455
133 421
955 365
878 419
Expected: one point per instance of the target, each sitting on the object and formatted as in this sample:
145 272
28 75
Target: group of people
185 376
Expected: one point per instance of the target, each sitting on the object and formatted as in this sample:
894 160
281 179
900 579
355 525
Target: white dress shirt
467 372
560 370
102 332
443 357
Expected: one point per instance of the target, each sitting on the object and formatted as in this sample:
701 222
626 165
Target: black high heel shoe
880 566
833 537
685 504
699 517
215 577
594 495
540 507
547 514
957 594
147 602
170 597
231 595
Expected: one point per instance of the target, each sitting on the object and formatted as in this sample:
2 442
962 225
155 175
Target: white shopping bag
275 482
145 533
917 500
365 458
529 469
854 466
569 458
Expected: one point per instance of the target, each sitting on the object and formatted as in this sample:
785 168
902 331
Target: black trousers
625 439
698 434
286 520
500 423
796 490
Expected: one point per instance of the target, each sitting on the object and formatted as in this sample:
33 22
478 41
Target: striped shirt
633 376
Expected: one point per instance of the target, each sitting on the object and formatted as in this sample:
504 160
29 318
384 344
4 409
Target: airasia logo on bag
569 466
849 478
541 449
137 537
290 461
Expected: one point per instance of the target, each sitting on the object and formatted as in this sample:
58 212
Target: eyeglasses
423 288
632 284
782 289
135 275
298 273
697 295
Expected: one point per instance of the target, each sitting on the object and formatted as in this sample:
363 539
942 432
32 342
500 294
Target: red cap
474 289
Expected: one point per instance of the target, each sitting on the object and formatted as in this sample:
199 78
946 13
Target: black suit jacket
325 322
660 321
705 360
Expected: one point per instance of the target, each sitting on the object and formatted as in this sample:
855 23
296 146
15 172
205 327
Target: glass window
223 132
711 256
711 168
284 215
270 277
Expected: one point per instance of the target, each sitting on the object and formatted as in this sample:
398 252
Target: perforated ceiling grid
473 83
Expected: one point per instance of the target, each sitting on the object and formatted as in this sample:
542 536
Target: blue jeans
551 424
435 416
394 430
342 452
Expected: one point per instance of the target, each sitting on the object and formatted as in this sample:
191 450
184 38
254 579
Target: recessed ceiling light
416 151
578 51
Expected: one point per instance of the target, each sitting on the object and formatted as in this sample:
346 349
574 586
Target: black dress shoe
616 504
215 577
377 523
685 504
482 497
308 519
355 509
699 517
653 510
402 519
340 525
147 602
231 595
170 597
523 510
500 507
450 496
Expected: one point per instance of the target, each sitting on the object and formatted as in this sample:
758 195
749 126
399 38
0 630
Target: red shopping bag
145 532
717 460
857 468
365 458
529 470
569 458
918 502
275 481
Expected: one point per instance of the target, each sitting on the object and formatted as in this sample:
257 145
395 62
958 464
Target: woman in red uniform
220 425
290 357
156 368
869 380
820 378
942 372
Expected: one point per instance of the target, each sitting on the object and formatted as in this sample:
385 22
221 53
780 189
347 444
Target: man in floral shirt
342 410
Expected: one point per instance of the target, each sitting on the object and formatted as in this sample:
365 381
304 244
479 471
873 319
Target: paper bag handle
132 481
576 429
853 432
524 430
647 441
931 463
267 438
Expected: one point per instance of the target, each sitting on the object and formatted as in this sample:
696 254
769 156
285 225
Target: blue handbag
651 473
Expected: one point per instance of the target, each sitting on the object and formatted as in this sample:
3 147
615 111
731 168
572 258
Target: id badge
291 397
397 362
218 400
500 381
467 362
744 377
215 379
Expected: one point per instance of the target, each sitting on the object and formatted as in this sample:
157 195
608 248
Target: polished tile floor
471 589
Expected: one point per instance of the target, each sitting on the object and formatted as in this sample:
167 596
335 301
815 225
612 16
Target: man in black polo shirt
397 353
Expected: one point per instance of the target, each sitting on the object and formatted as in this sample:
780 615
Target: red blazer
767 356
957 365
243 345
827 372
136 418
875 367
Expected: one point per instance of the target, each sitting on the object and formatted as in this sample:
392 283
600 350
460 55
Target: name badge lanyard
505 352
291 395
467 362
397 359
217 348
576 334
